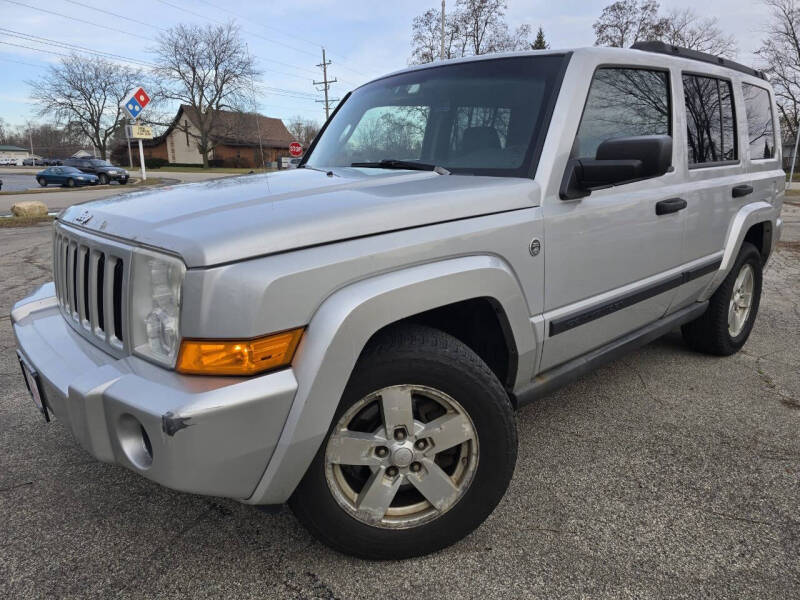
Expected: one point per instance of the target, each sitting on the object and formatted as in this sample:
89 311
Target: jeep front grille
91 282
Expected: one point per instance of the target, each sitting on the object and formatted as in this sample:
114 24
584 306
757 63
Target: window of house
623 102
711 125
760 128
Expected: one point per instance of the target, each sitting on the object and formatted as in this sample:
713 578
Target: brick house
239 139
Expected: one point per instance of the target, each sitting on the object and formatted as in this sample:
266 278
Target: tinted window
485 117
711 127
760 129
623 102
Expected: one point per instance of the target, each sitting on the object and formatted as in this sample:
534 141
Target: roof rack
664 48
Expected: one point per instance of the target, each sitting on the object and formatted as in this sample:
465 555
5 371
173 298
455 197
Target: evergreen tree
540 43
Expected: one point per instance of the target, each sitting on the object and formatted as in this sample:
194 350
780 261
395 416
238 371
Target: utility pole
441 52
30 139
326 84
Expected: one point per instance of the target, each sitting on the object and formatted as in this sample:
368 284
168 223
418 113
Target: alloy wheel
401 456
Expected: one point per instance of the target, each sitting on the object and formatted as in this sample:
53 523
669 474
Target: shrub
155 163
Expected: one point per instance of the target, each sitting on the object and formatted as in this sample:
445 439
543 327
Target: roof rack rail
664 48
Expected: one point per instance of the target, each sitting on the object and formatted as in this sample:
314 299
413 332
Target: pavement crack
14 487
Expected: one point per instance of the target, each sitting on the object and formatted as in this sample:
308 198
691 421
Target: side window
711 126
623 102
760 129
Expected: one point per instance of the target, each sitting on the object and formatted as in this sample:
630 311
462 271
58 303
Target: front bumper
206 435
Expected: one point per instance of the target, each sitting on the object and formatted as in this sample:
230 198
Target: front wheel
421 450
725 326
42 181
70 182
103 179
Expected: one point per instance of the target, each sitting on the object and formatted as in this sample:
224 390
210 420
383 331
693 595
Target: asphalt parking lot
663 474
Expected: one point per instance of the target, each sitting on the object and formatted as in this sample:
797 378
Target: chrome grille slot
91 281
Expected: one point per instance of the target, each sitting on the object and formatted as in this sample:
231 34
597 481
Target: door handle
741 190
665 207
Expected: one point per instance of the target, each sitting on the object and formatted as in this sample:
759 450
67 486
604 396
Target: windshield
100 163
485 117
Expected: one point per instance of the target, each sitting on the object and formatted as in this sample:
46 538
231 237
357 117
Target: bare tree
474 27
780 55
625 22
86 93
208 69
685 28
303 130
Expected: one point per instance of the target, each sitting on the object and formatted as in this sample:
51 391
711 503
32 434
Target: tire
123 181
42 181
70 182
436 365
716 331
103 179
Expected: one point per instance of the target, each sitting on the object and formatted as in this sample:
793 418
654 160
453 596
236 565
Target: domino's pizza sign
135 102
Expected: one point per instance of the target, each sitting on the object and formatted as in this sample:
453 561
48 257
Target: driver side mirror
617 161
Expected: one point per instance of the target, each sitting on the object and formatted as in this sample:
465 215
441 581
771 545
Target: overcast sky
363 39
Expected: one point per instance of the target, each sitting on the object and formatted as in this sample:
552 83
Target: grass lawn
6 222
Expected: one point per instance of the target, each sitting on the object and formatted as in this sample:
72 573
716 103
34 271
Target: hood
230 219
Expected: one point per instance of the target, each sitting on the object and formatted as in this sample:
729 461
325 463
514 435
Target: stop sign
295 148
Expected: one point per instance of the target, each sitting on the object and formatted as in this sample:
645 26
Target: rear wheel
42 181
725 326
422 448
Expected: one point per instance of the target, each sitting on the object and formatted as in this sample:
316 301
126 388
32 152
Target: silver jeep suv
354 336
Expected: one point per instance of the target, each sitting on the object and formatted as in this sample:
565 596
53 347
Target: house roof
236 129
7 148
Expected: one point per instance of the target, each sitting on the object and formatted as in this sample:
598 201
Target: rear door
718 182
608 256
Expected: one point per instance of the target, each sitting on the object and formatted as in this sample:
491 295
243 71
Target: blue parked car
68 176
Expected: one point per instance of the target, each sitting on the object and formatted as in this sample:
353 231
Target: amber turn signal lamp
238 357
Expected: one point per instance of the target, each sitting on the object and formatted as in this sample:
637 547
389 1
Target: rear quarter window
760 127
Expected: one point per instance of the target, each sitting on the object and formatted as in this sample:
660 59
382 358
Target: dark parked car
31 162
68 176
105 171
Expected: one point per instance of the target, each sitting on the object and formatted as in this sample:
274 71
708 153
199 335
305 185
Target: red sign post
296 149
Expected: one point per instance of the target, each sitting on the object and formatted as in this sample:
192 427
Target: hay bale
32 208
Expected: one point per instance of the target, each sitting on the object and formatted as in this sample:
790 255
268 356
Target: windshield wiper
392 163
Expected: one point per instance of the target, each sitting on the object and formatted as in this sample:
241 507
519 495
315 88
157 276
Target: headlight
156 283
81 178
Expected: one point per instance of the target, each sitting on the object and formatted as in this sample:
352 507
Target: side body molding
748 215
344 323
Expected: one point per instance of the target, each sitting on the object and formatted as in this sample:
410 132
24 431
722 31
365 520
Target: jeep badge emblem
84 217
535 247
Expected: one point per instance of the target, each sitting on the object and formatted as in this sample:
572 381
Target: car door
610 258
718 181
57 175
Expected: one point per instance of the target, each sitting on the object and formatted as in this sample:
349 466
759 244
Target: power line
281 32
63 16
117 15
20 62
68 46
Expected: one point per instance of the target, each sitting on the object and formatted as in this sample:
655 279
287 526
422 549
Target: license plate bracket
34 385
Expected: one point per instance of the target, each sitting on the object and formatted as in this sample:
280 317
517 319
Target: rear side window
760 129
623 102
711 126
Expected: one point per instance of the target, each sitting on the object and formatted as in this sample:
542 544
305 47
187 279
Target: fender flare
344 323
748 215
